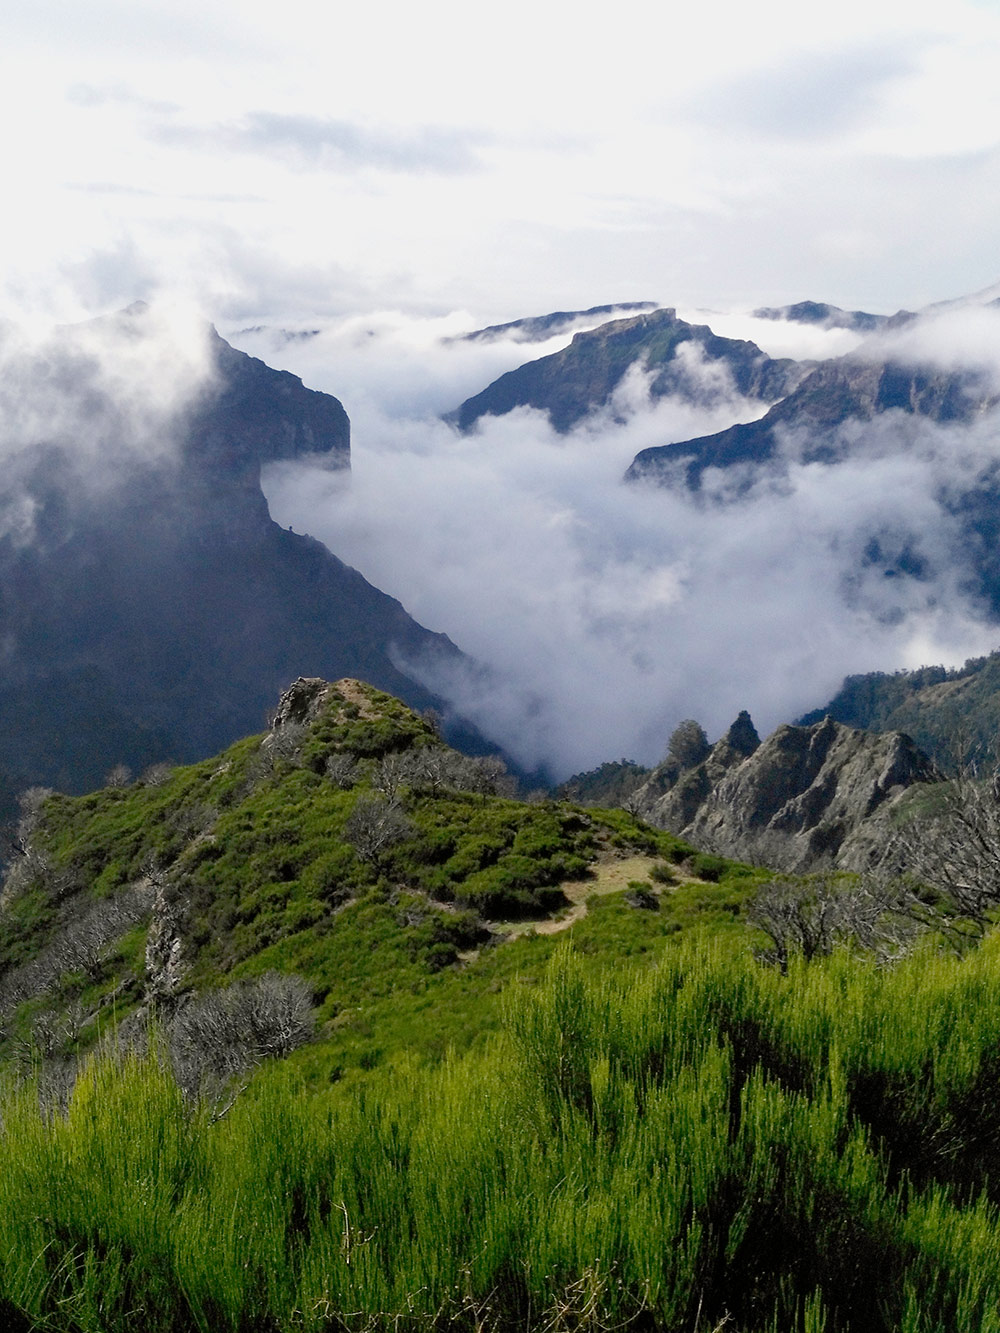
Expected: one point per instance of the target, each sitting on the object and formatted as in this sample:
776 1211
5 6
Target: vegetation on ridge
492 1125
351 848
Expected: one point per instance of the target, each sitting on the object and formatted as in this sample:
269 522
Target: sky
391 175
281 161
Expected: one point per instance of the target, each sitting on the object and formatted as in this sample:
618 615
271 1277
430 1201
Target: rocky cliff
805 799
852 388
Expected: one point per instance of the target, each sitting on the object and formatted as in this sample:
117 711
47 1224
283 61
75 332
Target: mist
82 406
602 613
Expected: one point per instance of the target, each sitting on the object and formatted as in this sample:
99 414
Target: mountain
825 316
347 846
858 388
807 798
326 1031
583 377
539 328
150 608
953 715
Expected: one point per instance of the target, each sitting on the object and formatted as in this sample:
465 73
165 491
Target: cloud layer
606 613
81 406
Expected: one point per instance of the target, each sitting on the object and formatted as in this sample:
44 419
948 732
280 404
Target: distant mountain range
539 328
825 316
583 377
850 388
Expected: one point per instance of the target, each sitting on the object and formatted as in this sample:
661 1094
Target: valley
374 1017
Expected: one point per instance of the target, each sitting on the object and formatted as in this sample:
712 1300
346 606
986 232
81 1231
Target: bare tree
342 770
812 914
80 945
374 825
436 767
950 856
119 776
284 743
391 772
227 1032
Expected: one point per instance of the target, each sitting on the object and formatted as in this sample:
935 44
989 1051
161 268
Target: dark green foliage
953 715
709 867
688 743
259 854
610 784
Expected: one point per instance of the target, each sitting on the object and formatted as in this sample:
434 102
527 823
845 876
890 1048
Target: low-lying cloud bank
604 613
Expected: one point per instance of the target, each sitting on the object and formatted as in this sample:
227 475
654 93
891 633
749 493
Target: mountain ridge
583 377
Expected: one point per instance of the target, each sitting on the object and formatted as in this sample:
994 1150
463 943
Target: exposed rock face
583 377
807 798
299 704
165 963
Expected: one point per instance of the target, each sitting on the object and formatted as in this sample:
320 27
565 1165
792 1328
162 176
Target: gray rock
808 798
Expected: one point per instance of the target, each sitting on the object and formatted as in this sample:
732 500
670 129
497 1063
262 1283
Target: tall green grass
654 1148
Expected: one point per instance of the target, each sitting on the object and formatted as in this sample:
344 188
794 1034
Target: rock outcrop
851 388
808 798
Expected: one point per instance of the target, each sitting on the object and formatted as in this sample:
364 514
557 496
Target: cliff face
154 609
583 377
808 798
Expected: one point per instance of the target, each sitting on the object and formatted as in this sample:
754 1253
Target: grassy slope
647 1130
250 846
700 1144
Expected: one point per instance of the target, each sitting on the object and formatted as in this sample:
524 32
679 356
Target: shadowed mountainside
584 376
157 615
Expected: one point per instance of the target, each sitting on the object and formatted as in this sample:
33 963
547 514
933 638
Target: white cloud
440 156
607 612
80 406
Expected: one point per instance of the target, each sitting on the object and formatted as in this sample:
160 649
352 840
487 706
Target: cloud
955 338
603 613
322 143
812 94
82 406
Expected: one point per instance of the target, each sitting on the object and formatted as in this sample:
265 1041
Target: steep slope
953 715
150 609
808 798
583 377
853 388
347 846
538 328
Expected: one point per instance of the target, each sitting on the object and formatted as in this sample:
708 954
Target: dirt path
611 874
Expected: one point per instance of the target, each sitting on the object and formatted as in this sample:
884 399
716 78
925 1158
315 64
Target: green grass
667 1146
251 846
